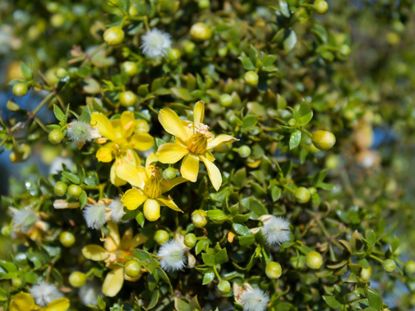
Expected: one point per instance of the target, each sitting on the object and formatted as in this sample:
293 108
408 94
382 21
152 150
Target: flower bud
226 100
77 279
244 151
132 269
128 98
389 265
314 260
20 89
174 55
161 236
151 210
321 6
199 218
302 195
324 140
130 68
200 32
251 78
190 240
74 191
188 47
224 286
60 188
55 136
365 273
66 238
170 173
204 4
410 267
114 35
273 270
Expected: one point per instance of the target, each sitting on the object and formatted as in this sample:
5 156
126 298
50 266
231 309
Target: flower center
152 188
197 143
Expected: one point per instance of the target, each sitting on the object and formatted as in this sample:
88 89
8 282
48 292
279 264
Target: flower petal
133 198
113 282
103 124
133 174
190 167
171 153
219 140
60 304
168 184
169 203
128 123
172 124
198 113
142 141
104 153
95 252
115 180
213 172
22 302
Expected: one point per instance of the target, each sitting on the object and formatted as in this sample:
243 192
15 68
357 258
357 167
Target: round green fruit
67 239
114 35
314 260
77 279
273 270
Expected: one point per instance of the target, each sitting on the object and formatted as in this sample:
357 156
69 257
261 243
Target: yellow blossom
25 302
115 253
149 187
194 143
121 137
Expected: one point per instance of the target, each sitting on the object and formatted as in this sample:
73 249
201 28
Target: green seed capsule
321 6
302 195
77 279
199 218
66 238
226 100
200 32
251 78
273 270
132 269
74 191
20 89
55 136
314 260
224 287
128 98
190 240
389 265
244 151
161 236
114 35
324 140
60 188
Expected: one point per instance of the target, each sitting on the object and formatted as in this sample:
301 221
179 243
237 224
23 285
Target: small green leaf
208 277
59 114
181 93
332 302
290 41
246 62
295 139
27 72
241 229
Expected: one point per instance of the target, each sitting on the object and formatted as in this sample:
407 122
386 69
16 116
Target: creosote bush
207 155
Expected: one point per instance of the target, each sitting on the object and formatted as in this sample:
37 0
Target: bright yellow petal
104 153
198 112
133 198
22 302
168 184
115 180
104 126
95 252
128 123
169 203
60 304
113 282
213 172
171 153
190 167
142 141
134 175
219 140
172 124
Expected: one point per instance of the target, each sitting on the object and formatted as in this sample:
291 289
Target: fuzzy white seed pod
253 299
155 43
172 255
58 163
117 210
23 219
276 230
44 293
94 215
81 132
89 293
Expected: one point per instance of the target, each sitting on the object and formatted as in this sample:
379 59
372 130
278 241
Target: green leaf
154 299
27 71
249 121
253 205
140 219
12 106
295 139
181 305
59 114
182 93
241 229
375 300
217 216
246 62
202 245
73 178
208 277
332 302
290 41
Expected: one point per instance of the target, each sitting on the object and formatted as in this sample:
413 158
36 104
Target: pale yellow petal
213 172
112 240
171 153
142 141
95 252
113 282
60 304
198 112
133 198
219 140
134 175
128 123
103 124
115 180
168 184
22 302
104 153
169 203
172 124
190 167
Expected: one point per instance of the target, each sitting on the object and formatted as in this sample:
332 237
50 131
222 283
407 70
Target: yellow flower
193 144
25 302
115 253
149 187
121 137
